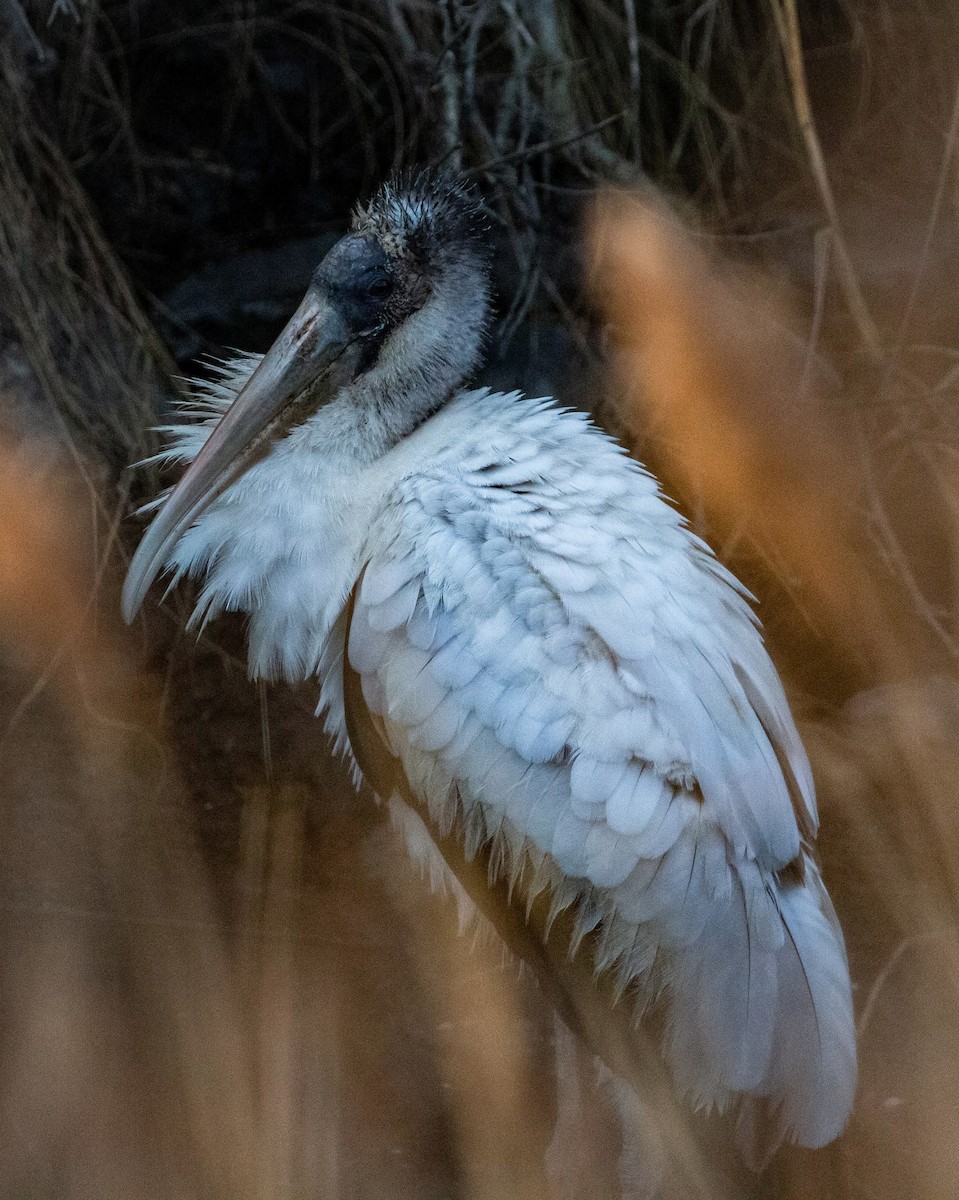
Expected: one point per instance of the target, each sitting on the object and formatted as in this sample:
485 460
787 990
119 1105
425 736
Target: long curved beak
302 370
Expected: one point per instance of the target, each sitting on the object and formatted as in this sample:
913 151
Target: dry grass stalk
787 25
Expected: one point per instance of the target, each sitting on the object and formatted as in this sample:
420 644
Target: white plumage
572 684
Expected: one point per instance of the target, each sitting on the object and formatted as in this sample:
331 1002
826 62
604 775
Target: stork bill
560 693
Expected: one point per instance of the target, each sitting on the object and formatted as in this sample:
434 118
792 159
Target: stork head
392 321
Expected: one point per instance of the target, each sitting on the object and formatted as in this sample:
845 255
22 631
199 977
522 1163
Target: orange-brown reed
811 488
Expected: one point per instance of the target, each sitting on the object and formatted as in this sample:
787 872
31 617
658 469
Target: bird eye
379 288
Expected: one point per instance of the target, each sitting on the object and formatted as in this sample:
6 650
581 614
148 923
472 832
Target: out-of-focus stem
787 26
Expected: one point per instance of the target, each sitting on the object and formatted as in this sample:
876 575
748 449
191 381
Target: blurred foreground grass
218 977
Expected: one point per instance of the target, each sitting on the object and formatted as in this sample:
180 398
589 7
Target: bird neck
421 364
364 422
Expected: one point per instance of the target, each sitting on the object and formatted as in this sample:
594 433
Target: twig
787 26
952 139
890 965
21 35
544 147
450 85
632 45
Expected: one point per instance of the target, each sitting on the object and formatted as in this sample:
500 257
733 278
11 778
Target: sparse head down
428 216
391 325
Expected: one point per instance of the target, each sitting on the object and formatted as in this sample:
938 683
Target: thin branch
787 26
544 147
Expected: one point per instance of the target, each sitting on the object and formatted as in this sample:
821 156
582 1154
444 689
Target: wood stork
528 655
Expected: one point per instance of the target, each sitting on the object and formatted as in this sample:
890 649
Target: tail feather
724 995
767 1020
812 1075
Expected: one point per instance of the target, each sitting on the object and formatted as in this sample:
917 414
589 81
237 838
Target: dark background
217 975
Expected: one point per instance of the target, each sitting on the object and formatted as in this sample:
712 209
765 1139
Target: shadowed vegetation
219 977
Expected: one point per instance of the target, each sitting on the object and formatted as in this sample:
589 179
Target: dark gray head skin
391 325
358 279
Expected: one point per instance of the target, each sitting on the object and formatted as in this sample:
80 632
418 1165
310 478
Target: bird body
567 682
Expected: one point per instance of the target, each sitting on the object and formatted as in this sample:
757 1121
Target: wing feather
604 729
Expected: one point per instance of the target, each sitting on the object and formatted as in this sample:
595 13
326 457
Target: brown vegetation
217 977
